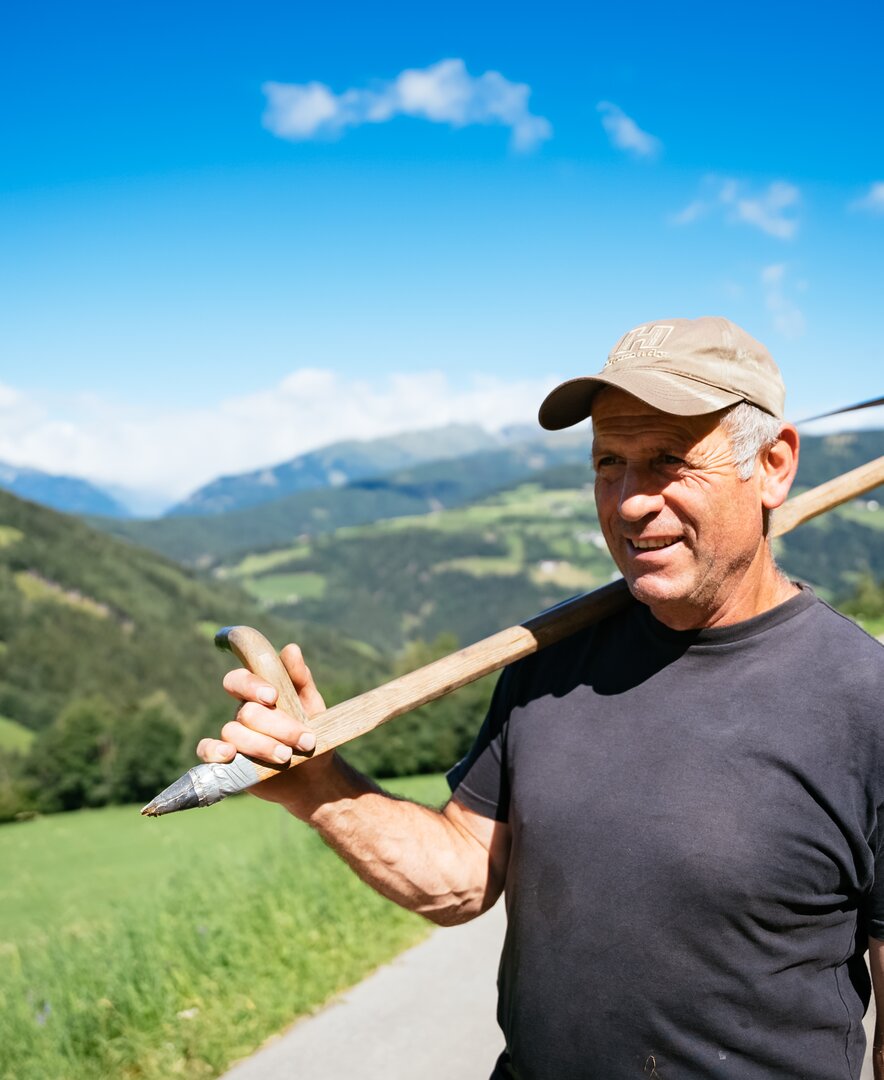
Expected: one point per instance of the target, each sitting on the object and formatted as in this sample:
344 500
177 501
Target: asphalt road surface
430 1014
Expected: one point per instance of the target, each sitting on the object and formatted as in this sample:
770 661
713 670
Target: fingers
246 686
260 729
302 679
214 750
269 734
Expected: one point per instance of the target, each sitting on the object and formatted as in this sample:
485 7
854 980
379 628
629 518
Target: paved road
430 1013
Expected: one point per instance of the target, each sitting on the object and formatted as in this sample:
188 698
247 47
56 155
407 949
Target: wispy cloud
872 201
625 133
771 210
171 452
443 93
787 317
692 212
767 210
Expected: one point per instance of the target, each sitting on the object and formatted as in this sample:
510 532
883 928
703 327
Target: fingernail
282 754
267 695
307 742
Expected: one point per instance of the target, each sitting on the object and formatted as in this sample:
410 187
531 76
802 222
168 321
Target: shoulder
568 663
842 631
840 653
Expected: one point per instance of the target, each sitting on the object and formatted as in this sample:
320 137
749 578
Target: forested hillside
107 660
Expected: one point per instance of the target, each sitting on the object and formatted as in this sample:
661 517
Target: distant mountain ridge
339 464
70 494
435 485
205 540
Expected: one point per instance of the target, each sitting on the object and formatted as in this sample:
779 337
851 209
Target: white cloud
172 452
787 317
766 210
873 200
625 133
443 93
692 212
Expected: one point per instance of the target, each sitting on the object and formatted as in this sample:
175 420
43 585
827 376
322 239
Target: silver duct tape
214 782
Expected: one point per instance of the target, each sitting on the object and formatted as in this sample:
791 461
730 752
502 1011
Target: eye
671 459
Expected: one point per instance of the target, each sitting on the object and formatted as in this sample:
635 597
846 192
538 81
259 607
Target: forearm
878 1054
415 856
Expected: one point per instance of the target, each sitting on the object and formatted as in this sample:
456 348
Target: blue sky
231 232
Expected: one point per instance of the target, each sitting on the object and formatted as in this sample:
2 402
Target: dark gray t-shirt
695 823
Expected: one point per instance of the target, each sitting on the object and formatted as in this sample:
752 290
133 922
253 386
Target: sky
233 232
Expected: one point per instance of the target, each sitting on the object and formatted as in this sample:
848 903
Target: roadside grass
147 949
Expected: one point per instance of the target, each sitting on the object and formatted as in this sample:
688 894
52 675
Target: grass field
138 948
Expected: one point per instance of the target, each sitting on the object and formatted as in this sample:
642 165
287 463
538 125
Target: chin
654 590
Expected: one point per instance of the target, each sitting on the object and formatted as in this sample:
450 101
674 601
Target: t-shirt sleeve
481 781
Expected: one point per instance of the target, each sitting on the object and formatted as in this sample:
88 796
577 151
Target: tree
148 750
70 764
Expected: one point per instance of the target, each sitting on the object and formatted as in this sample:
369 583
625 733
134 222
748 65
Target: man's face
684 530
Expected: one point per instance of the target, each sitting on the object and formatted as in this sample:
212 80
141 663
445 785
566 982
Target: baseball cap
685 367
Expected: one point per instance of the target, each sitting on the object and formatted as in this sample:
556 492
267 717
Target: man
682 802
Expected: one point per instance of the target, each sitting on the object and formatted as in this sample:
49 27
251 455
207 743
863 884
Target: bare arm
448 866
876 964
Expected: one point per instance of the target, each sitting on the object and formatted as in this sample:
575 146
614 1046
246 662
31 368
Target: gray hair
750 431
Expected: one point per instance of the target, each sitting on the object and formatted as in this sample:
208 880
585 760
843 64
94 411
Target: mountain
203 541
825 456
334 466
67 493
82 613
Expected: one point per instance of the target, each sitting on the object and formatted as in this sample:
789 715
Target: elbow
449 916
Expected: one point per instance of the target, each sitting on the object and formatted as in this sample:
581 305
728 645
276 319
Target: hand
265 732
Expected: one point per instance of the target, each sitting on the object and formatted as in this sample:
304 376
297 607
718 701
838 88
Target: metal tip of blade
181 795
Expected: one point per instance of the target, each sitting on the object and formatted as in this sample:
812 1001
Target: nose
639 497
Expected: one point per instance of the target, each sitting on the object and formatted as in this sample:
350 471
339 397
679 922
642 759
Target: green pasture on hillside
137 948
14 736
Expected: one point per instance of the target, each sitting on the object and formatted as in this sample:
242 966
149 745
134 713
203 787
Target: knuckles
250 713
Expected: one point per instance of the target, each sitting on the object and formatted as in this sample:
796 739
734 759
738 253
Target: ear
779 463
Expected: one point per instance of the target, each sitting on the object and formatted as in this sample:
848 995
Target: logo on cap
642 341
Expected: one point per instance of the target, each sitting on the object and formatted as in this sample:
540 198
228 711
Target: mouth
652 543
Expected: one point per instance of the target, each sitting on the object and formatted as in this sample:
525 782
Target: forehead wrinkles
655 429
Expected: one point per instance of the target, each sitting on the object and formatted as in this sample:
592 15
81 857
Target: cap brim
571 402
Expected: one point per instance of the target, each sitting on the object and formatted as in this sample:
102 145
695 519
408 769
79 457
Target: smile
654 543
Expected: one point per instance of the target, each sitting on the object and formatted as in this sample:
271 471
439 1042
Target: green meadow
14 736
138 948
